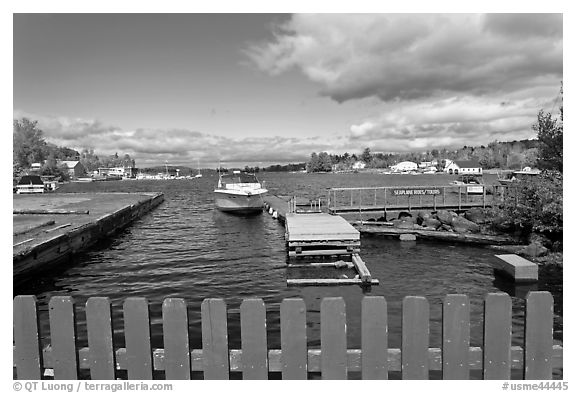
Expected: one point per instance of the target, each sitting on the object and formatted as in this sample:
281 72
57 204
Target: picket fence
537 358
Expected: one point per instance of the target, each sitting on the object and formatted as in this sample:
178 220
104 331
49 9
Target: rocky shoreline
536 247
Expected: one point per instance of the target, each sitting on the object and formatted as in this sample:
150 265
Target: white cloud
441 80
411 56
151 147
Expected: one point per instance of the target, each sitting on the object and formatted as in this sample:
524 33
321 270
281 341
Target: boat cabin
238 179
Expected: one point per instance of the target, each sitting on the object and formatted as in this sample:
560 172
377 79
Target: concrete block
516 267
407 237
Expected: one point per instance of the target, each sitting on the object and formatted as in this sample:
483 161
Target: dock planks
36 247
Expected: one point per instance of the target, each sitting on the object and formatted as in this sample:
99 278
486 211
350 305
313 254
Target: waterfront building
470 167
75 168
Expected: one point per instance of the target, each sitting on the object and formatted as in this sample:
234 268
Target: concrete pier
517 268
50 228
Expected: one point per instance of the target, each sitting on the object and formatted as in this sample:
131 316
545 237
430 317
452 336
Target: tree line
29 146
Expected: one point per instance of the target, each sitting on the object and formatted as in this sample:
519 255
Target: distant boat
469 184
239 192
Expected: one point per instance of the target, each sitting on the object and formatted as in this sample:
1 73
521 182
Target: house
404 166
75 168
30 184
457 167
359 165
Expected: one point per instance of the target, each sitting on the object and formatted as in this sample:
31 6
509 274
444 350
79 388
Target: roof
468 164
71 164
30 179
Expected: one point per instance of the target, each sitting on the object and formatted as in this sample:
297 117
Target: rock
445 217
381 219
340 264
422 217
500 224
540 239
476 215
401 215
402 224
407 237
534 250
446 228
462 225
432 223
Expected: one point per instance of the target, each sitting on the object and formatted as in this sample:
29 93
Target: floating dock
320 234
312 233
50 228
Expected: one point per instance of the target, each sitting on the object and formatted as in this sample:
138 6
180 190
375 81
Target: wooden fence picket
137 335
215 339
497 336
455 358
27 353
99 324
415 337
455 337
63 337
374 338
176 341
538 336
293 339
334 364
254 340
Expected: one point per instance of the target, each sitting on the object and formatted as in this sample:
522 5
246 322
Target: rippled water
185 248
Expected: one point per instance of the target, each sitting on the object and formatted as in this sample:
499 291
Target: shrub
535 205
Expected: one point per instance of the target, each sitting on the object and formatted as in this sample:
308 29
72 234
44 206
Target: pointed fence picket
538 357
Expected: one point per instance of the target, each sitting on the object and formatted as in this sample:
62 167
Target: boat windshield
234 178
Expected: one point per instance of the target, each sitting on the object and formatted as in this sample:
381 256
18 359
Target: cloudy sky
260 89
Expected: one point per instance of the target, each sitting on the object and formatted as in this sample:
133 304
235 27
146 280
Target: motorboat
469 184
239 192
512 177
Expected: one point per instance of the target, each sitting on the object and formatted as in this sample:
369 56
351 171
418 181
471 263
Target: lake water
185 248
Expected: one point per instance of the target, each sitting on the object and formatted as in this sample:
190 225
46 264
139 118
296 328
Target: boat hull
239 204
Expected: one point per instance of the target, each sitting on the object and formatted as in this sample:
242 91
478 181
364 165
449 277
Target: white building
404 166
471 167
75 168
359 165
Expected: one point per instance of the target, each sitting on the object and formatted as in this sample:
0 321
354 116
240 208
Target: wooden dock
312 233
408 198
537 357
50 228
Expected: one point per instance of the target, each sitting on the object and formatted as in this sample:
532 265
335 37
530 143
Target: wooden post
459 198
375 199
484 197
63 337
444 196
